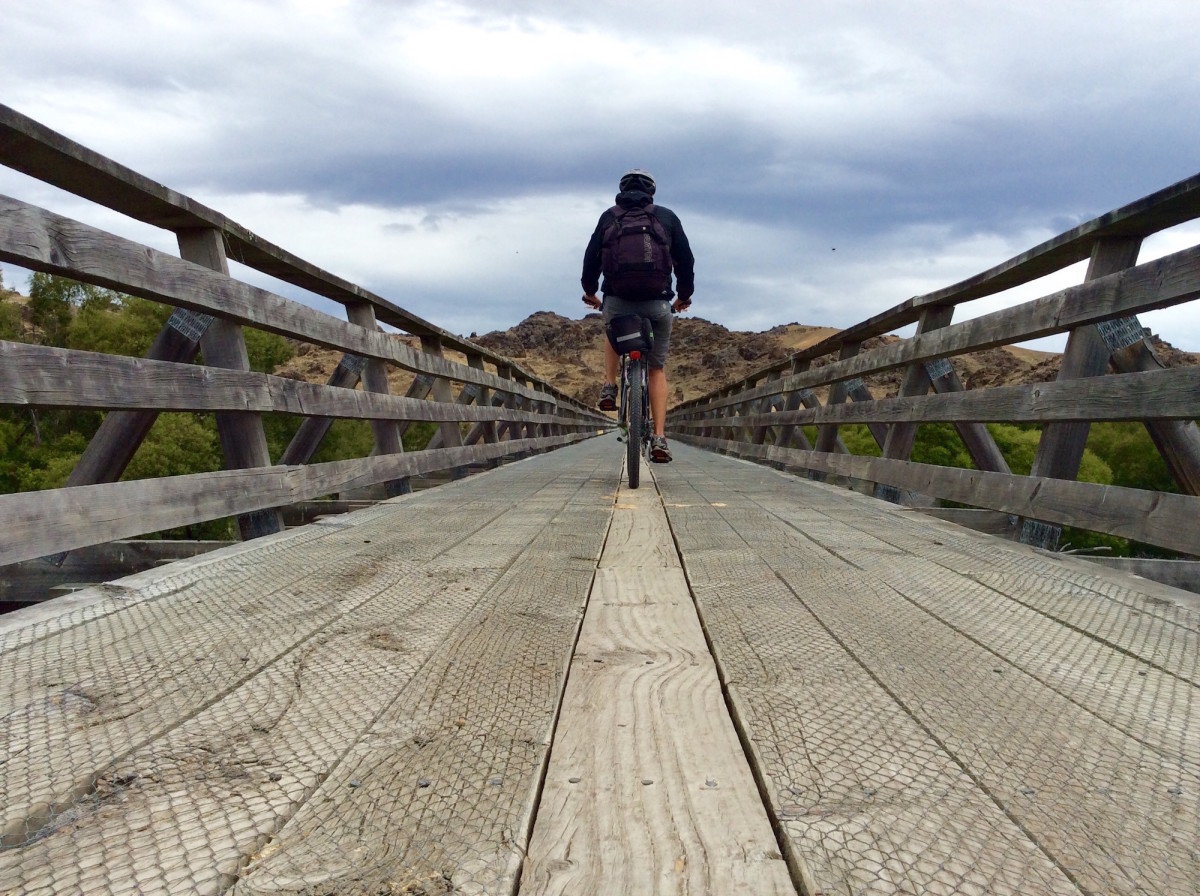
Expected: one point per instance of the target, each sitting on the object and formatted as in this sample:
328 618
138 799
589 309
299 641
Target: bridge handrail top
1165 208
32 148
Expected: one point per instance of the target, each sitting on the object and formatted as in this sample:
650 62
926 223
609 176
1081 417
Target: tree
53 301
124 325
10 319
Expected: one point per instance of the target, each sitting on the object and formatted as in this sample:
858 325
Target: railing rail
761 416
496 413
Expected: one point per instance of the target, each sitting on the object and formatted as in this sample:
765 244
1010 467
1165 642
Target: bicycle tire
633 443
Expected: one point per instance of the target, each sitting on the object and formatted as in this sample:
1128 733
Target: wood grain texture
1167 207
1171 394
51 243
42 523
308 640
1156 518
29 146
41 376
648 790
440 791
1171 280
1028 721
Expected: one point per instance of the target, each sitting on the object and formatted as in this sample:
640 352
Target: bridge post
121 433
901 436
451 434
757 435
857 390
744 408
766 405
1178 441
984 451
941 376
312 431
1060 449
827 433
793 399
730 410
375 379
486 429
467 395
243 441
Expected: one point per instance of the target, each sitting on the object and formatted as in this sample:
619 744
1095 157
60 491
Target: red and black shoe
608 397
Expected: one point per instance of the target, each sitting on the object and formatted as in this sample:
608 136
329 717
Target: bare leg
610 364
658 398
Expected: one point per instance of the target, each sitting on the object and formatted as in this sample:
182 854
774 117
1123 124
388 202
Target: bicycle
633 337
633 416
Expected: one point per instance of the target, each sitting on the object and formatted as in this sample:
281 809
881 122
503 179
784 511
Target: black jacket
681 253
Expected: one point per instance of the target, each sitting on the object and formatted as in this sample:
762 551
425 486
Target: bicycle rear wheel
633 443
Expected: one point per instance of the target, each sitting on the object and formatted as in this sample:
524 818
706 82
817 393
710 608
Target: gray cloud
827 158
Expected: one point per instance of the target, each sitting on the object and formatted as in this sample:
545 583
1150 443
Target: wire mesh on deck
943 714
359 706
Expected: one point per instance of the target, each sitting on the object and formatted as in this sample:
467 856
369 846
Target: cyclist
637 191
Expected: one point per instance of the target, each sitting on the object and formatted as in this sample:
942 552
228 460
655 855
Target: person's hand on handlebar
593 301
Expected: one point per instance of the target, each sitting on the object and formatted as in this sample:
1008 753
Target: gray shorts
659 313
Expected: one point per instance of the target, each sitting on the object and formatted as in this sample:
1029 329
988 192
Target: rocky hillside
705 355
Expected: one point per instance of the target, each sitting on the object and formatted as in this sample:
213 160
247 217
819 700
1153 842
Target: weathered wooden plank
190 807
42 523
866 799
1151 517
43 241
1067 737
441 790
664 801
29 146
1168 281
1163 394
1170 206
41 376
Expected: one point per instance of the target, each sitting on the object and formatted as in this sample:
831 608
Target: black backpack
636 255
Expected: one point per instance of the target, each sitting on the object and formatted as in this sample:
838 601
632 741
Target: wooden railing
499 411
760 417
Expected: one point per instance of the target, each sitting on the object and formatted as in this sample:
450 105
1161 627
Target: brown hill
705 355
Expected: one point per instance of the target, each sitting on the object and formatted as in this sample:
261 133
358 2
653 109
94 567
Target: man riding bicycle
646 292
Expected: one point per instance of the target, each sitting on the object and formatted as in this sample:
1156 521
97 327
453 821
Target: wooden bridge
777 667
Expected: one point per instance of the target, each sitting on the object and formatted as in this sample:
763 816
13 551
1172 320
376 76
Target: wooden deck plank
868 801
200 799
1151 622
440 791
1071 756
77 702
648 790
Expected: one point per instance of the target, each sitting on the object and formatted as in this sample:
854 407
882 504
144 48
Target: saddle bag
630 333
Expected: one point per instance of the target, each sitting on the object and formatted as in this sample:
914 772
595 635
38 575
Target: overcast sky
828 159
